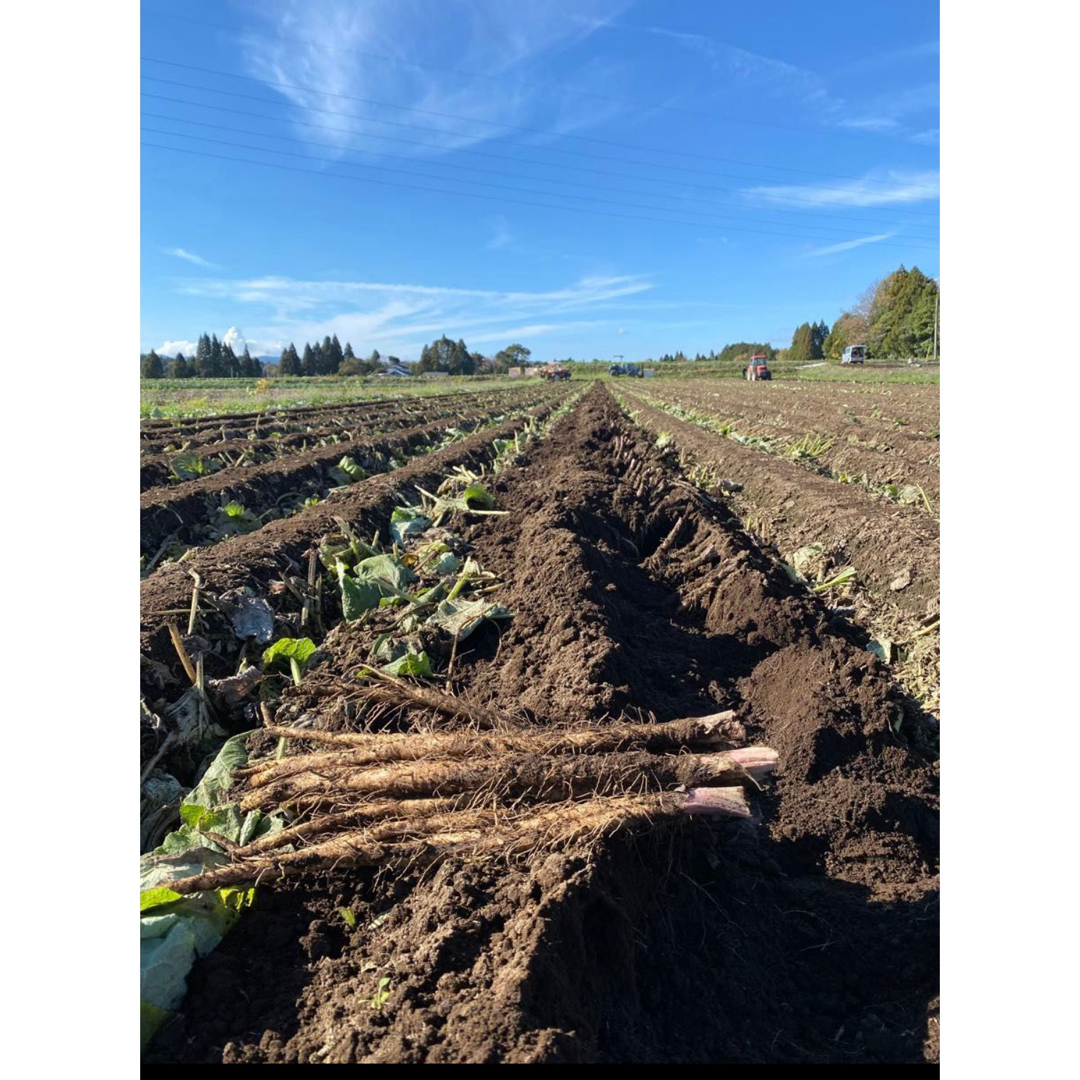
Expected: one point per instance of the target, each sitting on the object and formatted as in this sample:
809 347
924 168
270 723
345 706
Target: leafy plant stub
175 929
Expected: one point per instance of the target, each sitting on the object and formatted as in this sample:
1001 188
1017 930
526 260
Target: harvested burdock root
418 798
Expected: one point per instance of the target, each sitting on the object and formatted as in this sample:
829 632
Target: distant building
396 370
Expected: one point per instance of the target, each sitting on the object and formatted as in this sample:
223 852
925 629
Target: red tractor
758 368
555 373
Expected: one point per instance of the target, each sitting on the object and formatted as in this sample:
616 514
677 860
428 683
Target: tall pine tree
336 355
151 367
204 366
802 345
290 362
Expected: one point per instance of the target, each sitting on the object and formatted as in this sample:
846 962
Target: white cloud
400 318
883 189
931 137
235 339
869 123
171 348
621 331
399 54
190 257
847 245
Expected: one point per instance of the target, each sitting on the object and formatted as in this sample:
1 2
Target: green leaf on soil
411 663
476 496
406 521
348 471
459 618
356 597
152 898
284 649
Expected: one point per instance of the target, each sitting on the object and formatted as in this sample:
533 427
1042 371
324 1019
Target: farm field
172 399
585 722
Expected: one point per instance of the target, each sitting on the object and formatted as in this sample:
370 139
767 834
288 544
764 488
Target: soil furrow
808 937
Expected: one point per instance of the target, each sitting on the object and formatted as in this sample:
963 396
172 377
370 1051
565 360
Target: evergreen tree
204 367
348 354
217 359
230 363
461 361
151 366
819 332
802 345
290 361
178 367
307 365
902 314
336 355
250 368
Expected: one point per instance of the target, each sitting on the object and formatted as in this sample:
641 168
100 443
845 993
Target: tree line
213 359
895 318
216 360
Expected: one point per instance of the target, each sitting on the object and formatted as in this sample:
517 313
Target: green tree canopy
512 356
151 366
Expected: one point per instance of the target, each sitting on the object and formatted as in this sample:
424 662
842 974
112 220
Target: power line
466 119
651 106
482 183
486 154
489 198
549 149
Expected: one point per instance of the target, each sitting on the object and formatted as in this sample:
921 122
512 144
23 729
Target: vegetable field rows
536 755
198 510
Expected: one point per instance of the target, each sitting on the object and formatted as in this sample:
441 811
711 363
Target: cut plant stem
842 578
178 645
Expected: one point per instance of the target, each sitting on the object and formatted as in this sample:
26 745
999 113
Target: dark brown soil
275 551
890 439
794 507
213 434
808 936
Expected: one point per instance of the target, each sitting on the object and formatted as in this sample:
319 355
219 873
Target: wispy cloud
886 188
502 235
191 257
400 318
400 55
869 123
930 137
847 245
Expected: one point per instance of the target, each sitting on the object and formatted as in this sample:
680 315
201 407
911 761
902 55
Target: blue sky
587 177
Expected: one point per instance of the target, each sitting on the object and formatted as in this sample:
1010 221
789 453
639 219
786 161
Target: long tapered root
360 799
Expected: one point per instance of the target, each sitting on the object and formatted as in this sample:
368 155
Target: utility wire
504 187
490 198
549 149
497 157
454 116
651 106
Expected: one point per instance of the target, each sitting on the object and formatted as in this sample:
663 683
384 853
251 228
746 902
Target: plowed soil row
807 937
183 511
883 453
238 425
277 550
155 469
795 507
